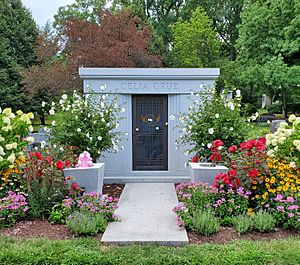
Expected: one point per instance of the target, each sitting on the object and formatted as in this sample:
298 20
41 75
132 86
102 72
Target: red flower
232 149
260 146
60 165
48 159
195 159
38 155
262 140
67 163
218 143
232 173
248 145
74 186
252 173
68 178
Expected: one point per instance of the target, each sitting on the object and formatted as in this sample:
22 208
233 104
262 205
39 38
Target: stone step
145 210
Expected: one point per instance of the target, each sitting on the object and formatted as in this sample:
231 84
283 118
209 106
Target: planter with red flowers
204 171
86 174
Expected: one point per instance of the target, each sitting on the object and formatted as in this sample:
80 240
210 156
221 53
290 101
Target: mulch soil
227 235
43 229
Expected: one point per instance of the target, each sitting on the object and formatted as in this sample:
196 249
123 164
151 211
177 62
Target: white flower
217 115
102 87
296 142
61 102
231 129
270 153
54 146
123 110
43 104
30 128
53 123
220 148
51 112
78 130
91 138
230 105
274 142
238 93
281 140
211 131
11 158
292 118
1 158
209 145
19 112
172 117
99 138
268 121
64 96
293 165
1 139
7 111
30 139
283 124
1 151
61 149
6 120
43 144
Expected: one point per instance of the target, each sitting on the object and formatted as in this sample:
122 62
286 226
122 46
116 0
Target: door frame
165 132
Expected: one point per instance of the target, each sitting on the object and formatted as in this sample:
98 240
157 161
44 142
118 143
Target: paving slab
145 210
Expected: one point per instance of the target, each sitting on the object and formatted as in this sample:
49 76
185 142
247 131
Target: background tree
119 41
50 77
18 33
269 49
195 42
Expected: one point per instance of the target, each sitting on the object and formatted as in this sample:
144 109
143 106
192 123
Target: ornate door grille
150 132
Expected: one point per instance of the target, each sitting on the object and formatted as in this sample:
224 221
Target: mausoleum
154 99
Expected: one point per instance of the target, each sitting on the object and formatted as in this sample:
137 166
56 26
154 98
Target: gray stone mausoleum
153 98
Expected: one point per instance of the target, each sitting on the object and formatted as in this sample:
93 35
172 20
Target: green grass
59 116
90 251
259 130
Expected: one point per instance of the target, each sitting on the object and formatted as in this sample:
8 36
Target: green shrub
213 117
242 224
205 222
84 223
264 222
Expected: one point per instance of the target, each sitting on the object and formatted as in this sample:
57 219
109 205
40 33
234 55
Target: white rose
209 145
11 158
211 131
2 151
6 120
292 118
30 139
14 145
64 96
78 130
283 124
296 142
51 112
281 140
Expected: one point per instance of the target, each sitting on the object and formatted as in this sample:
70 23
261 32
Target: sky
43 10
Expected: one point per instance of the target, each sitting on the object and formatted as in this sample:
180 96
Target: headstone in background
275 125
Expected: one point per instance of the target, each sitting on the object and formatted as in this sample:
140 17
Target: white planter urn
91 178
206 172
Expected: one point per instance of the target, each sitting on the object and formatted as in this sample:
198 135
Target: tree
50 77
269 49
86 10
119 41
195 42
17 38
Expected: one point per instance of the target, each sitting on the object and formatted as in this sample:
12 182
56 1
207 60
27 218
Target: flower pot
91 178
206 172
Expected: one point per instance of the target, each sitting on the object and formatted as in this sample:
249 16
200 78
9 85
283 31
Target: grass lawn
90 251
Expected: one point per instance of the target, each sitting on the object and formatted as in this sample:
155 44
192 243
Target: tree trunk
42 119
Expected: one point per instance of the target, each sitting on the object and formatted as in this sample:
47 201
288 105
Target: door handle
137 129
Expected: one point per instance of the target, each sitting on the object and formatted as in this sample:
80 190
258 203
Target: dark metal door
150 132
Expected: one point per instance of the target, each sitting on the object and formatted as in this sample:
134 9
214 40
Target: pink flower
291 215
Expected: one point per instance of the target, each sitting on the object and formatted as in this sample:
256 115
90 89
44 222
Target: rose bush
89 123
213 117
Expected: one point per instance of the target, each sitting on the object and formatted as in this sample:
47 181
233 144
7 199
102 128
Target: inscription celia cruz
146 86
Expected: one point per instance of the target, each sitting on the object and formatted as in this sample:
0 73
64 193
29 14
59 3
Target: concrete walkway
145 210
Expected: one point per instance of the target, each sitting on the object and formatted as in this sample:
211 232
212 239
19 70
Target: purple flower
293 207
291 215
278 197
280 208
290 199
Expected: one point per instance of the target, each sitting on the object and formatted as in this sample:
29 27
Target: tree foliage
119 41
17 37
269 49
195 42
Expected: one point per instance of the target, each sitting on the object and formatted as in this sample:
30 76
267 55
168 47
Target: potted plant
89 123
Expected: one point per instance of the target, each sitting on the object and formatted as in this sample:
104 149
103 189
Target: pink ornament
85 160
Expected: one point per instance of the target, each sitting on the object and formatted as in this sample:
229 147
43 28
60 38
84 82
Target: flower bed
261 190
